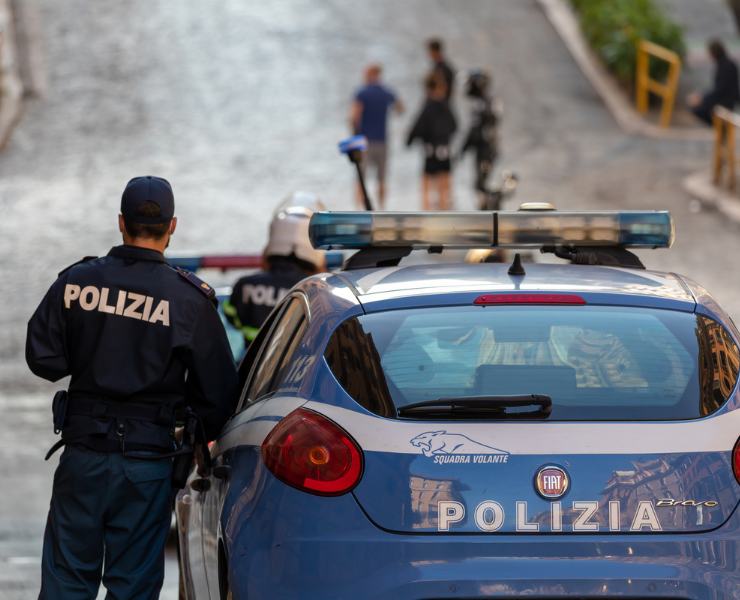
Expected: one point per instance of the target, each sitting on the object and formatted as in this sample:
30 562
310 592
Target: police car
478 430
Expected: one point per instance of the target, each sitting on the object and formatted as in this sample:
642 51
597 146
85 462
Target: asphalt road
240 103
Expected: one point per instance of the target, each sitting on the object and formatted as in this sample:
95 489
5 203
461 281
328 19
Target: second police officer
288 258
140 341
482 137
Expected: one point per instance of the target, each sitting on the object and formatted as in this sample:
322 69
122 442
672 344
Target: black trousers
109 519
703 112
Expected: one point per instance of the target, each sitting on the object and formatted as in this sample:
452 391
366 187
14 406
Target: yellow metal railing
644 85
725 121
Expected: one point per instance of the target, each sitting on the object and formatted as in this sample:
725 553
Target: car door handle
222 472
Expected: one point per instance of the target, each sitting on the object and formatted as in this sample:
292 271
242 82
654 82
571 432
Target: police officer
139 340
289 257
482 136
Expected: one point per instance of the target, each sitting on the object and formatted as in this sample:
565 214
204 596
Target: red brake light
736 460
312 453
487 299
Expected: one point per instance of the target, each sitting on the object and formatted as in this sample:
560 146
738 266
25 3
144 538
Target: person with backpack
434 127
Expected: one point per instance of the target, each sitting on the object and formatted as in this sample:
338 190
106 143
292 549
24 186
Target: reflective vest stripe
249 332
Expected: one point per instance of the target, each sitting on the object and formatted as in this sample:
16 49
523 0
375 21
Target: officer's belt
154 409
100 414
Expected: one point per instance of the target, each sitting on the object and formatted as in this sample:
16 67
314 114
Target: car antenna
516 267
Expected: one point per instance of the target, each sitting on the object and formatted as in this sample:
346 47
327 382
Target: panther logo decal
434 443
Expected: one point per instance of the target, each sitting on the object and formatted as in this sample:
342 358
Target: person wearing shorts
369 117
434 127
376 157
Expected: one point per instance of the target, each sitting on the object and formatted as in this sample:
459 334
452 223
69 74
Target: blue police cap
148 189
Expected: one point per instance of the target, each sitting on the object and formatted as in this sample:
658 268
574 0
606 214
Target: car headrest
525 379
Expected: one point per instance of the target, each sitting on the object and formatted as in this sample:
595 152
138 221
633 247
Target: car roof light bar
491 229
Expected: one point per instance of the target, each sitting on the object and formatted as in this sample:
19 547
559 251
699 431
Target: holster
192 436
181 467
59 410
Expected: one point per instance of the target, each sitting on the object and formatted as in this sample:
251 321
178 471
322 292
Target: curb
11 87
700 186
565 23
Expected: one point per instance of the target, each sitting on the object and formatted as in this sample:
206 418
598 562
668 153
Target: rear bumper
329 550
407 568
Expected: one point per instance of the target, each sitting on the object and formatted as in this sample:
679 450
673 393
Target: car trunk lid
453 477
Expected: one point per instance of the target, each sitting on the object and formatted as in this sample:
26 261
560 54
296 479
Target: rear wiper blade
481 407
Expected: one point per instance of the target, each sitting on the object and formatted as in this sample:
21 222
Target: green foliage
613 28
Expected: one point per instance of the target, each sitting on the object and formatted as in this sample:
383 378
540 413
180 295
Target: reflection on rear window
594 362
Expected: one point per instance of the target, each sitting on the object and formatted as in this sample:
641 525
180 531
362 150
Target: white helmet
289 229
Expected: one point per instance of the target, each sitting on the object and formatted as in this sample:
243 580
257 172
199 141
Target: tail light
736 460
309 452
488 299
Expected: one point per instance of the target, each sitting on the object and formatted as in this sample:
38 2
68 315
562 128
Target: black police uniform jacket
253 297
128 326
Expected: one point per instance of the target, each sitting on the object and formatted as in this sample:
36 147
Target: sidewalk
701 187
710 19
565 22
703 21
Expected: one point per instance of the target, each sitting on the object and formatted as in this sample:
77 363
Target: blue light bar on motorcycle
491 229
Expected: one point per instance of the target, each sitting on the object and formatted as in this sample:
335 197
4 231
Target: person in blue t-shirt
369 117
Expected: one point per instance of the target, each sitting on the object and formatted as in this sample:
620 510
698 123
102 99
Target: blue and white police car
478 430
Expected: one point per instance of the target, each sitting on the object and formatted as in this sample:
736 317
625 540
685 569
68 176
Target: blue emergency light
491 229
353 144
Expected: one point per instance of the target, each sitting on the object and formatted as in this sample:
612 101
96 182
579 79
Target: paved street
240 103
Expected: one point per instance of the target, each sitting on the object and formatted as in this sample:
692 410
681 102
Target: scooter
492 198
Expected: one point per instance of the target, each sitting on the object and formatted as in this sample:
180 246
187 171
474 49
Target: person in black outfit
434 127
482 136
141 340
289 258
725 91
441 67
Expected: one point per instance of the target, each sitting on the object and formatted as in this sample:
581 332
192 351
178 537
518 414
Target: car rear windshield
595 362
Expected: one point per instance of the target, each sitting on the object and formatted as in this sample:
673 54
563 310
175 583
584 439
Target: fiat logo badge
551 482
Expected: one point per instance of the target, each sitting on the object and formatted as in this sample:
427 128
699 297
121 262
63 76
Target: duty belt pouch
59 410
181 467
